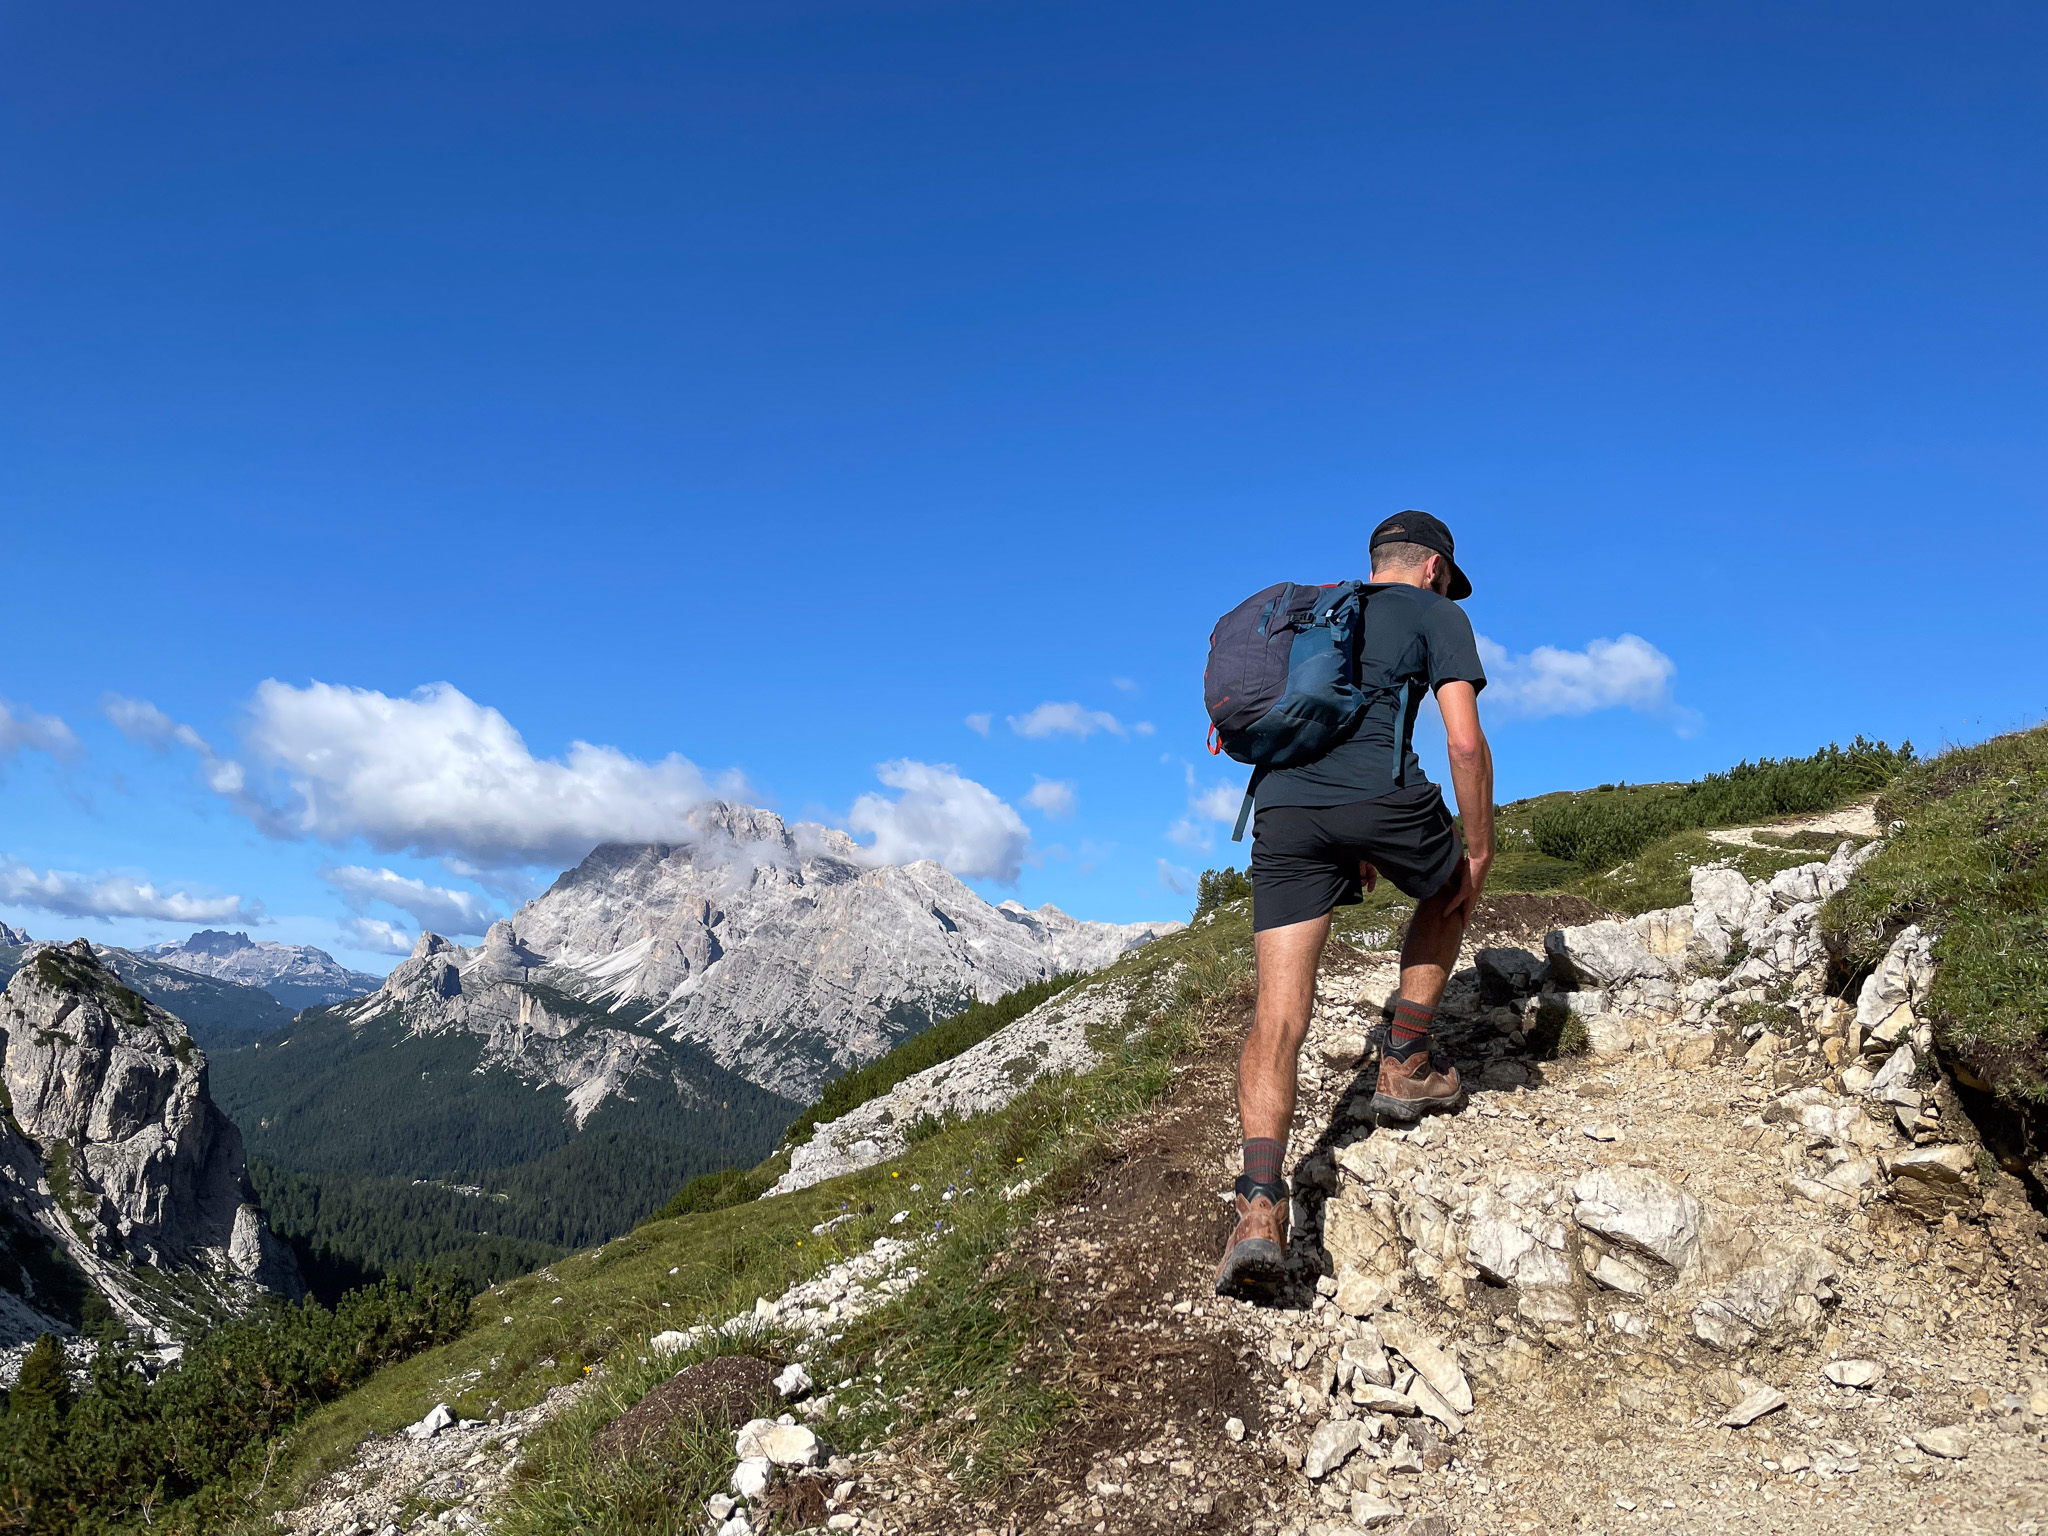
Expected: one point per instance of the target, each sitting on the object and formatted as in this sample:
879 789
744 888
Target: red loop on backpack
1214 749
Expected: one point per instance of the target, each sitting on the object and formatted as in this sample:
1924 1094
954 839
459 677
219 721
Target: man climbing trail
1327 829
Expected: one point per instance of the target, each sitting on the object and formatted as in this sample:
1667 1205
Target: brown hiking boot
1255 1262
1425 1084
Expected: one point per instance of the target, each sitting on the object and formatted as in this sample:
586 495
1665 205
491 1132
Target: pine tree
43 1386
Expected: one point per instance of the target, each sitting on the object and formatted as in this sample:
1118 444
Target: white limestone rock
1639 1210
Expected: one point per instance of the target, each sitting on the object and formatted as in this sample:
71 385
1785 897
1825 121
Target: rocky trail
1713 1247
1737 1267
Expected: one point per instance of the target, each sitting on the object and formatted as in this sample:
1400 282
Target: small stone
668 1342
1330 1445
845 1520
1408 1339
1403 1457
1369 1513
1234 1428
1759 1402
1377 1399
1853 1373
1343 1049
750 1477
747 1442
1602 1130
1361 1295
736 1526
438 1418
718 1506
1948 1442
790 1445
794 1381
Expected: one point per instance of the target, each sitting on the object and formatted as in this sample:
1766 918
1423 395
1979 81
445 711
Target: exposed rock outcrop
114 1154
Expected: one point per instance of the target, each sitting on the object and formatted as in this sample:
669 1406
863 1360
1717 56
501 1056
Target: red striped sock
1412 1023
1262 1156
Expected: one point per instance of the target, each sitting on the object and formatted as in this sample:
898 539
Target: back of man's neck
1397 579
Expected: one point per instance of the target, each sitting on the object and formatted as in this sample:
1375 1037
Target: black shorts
1305 859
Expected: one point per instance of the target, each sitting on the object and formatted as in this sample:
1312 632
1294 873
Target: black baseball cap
1413 527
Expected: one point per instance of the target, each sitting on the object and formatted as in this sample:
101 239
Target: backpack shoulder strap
1244 811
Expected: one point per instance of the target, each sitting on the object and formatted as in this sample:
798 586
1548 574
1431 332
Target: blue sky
867 409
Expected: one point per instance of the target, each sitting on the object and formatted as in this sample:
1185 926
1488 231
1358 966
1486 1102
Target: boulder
1720 896
1601 954
1903 976
1666 933
1782 1291
1862 1374
1506 974
1639 1210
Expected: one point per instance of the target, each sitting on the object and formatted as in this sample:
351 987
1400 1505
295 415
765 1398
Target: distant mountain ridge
297 975
781 950
220 1014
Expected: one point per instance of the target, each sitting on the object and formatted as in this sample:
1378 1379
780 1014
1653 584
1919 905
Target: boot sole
1408 1111
1254 1269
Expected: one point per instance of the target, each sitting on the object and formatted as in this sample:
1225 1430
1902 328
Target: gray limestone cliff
115 1164
780 950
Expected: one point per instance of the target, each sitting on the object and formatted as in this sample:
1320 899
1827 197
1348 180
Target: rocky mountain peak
115 1154
14 935
779 948
297 975
212 941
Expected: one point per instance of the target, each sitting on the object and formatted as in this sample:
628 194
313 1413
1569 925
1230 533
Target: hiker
1327 829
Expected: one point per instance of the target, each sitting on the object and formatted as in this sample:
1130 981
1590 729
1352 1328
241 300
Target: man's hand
1369 875
1472 872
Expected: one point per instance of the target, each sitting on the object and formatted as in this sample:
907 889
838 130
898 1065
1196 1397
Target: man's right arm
1472 779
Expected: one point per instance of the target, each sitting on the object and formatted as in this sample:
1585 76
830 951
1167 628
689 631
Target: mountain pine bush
1602 827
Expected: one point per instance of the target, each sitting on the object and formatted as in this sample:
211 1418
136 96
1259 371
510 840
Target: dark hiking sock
1262 1156
1411 1027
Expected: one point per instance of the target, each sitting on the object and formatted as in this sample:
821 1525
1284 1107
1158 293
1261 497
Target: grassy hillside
1968 857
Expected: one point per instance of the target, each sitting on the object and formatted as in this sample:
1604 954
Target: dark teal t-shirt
1409 634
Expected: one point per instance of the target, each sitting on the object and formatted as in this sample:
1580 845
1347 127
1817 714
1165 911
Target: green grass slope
1968 858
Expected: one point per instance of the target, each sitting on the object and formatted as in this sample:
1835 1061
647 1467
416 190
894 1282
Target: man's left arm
1472 779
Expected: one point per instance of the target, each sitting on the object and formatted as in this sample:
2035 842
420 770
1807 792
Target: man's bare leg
1431 947
1412 1083
1266 1070
1255 1261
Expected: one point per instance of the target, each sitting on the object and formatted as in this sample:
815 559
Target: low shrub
1601 828
167 1452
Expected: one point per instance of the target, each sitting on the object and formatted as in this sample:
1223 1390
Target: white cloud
142 722
1143 728
1123 685
1627 673
431 906
942 816
979 723
437 774
27 732
375 935
1219 802
1175 879
1069 719
115 896
1055 797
